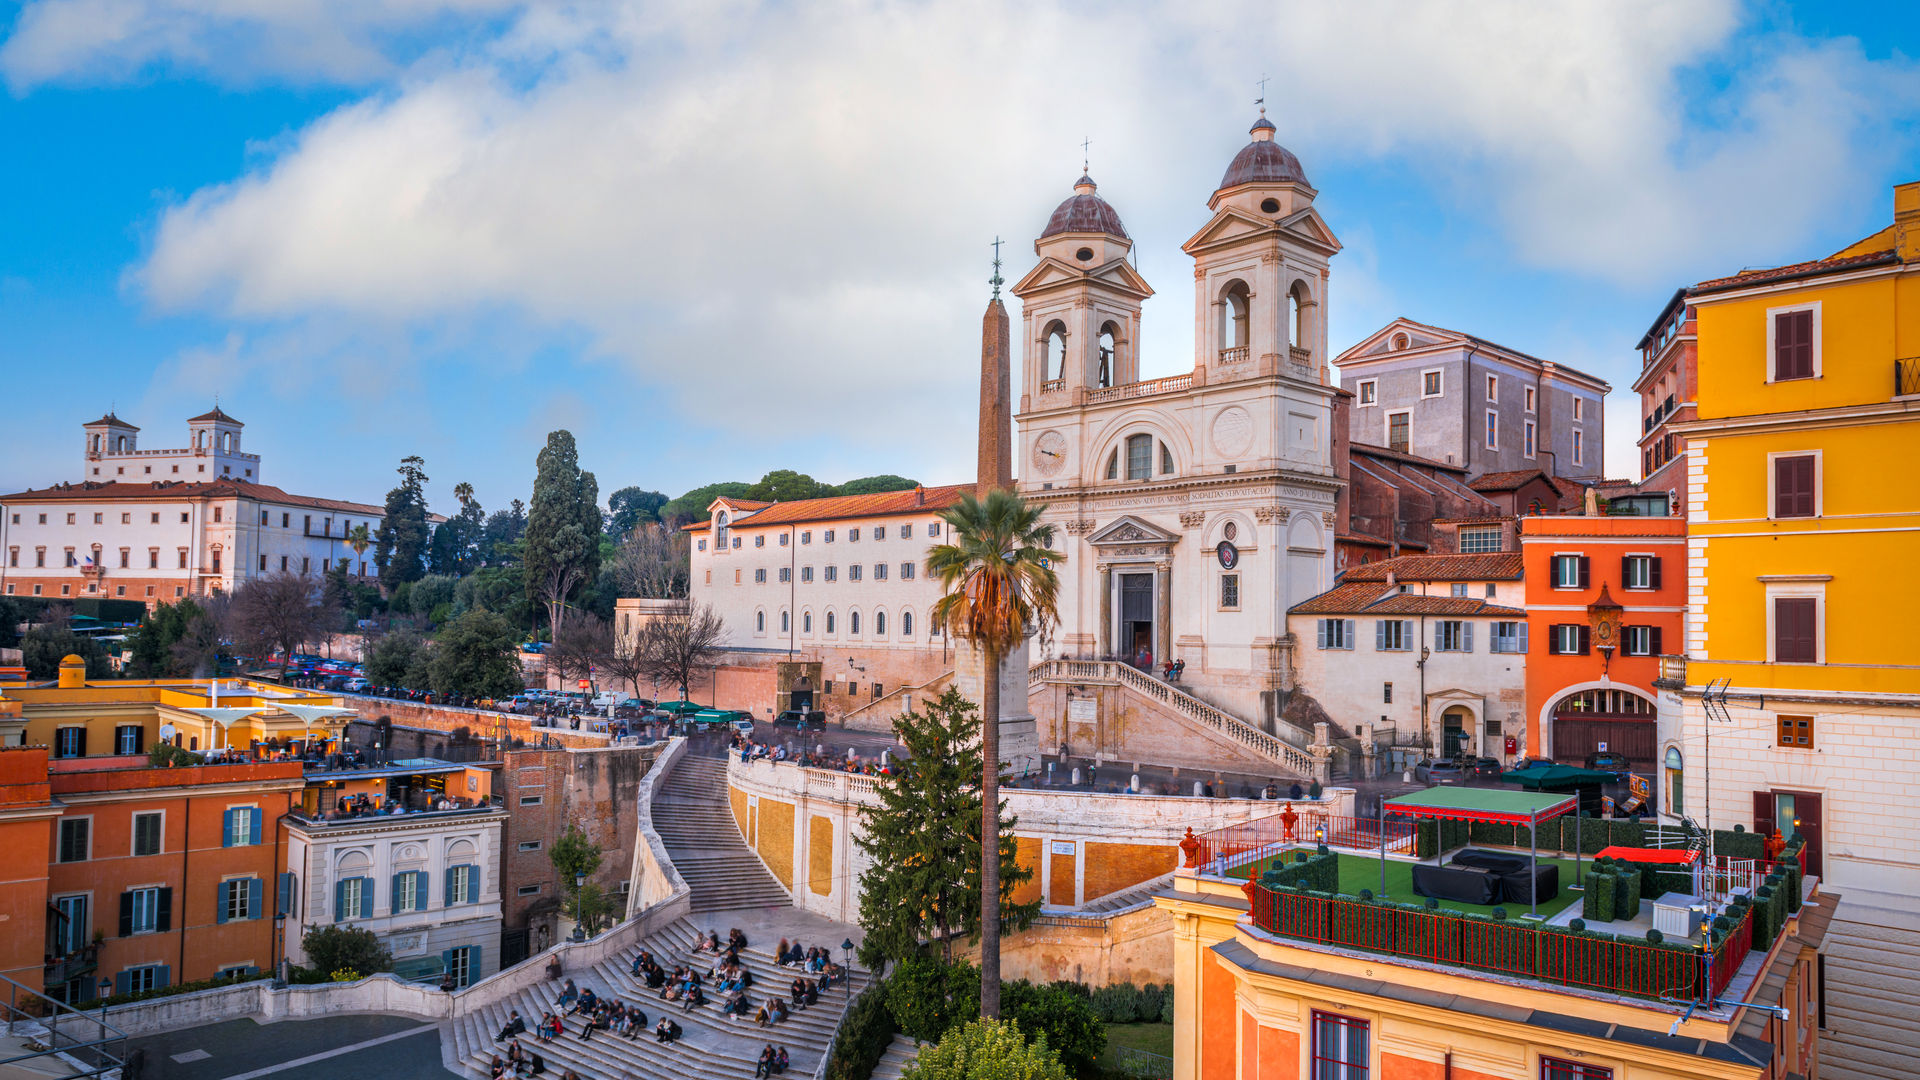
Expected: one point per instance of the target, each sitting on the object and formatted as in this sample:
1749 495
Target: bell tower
1080 305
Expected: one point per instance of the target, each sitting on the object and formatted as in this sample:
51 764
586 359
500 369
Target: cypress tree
562 547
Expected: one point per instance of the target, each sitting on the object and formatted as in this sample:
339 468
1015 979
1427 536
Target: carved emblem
1269 257
1191 519
1270 515
1079 528
1128 532
1326 518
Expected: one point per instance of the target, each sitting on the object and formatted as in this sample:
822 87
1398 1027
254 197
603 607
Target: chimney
1906 220
919 495
1393 581
996 401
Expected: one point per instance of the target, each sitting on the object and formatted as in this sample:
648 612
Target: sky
718 237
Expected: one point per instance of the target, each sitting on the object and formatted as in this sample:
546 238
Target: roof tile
1491 566
838 507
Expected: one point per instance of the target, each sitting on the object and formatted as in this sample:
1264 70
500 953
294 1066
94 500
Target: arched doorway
1456 731
1604 718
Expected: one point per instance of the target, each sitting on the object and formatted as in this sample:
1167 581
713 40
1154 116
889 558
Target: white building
157 525
426 882
1423 651
1194 510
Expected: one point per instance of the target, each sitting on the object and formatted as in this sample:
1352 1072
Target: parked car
1611 761
1533 763
1439 771
1485 768
801 721
357 685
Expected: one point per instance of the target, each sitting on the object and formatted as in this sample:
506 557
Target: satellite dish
167 732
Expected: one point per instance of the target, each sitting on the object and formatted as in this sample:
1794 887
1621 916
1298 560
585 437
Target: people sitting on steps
666 1031
514 1026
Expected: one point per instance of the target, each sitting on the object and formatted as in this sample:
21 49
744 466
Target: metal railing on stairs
82 1040
1115 673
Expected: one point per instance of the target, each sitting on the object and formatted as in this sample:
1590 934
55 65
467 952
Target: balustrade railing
1170 384
1113 672
1233 355
1051 385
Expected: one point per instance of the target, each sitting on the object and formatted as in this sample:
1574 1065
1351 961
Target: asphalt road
365 1047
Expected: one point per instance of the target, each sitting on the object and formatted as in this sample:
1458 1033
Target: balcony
1235 355
1906 376
1053 385
1125 391
65 969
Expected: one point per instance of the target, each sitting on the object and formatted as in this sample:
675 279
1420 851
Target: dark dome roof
1085 212
1263 161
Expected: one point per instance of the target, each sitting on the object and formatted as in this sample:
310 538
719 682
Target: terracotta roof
1810 268
164 489
837 507
1371 598
113 421
1491 519
1506 481
216 414
1490 566
1370 450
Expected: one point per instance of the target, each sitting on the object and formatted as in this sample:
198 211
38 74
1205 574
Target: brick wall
595 789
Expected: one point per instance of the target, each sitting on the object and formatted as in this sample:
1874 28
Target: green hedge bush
1426 838
177 988
1125 1003
1739 844
1493 832
1317 873
1597 903
866 1031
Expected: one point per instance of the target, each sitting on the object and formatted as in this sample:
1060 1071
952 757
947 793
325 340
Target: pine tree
924 839
563 528
400 548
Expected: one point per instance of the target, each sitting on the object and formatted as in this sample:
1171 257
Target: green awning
1482 804
679 707
1556 777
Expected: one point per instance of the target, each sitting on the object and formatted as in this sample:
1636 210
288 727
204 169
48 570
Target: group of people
773 1062
817 758
519 1061
596 1014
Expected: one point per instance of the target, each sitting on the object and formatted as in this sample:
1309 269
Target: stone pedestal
1019 734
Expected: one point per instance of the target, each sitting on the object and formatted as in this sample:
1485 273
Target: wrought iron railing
1906 376
1250 841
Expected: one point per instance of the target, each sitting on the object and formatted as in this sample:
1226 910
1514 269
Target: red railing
1252 840
1549 955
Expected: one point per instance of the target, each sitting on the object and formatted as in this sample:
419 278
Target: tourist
568 995
710 943
765 1067
666 1031
498 1068
544 1030
798 991
515 1026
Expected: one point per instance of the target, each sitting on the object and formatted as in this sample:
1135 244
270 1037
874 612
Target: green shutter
253 831
254 890
393 898
366 898
220 911
226 829
473 884
340 901
448 891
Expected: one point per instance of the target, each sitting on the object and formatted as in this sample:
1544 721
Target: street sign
586 684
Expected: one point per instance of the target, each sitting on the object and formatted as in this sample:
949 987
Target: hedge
1739 844
1426 838
1493 832
1318 873
866 1031
1125 1003
1597 903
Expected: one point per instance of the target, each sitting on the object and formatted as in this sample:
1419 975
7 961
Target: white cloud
784 207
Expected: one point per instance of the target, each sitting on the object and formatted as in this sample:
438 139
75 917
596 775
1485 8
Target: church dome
1263 161
1085 212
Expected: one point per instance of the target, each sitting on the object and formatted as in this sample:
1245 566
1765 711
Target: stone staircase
691 814
1133 896
1291 759
713 1046
894 1061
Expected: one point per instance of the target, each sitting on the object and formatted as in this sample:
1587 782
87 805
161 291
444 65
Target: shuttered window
1793 345
1795 636
1793 484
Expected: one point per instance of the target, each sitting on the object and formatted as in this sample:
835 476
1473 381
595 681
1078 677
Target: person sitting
515 1056
737 1005
543 1031
588 1002
636 1022
695 996
656 976
588 1021
710 943
515 1026
779 1061
666 1031
673 987
535 1064
798 991
736 939
812 994
499 1067
794 955
765 1067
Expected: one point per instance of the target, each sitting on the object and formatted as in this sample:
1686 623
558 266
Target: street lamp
579 907
846 950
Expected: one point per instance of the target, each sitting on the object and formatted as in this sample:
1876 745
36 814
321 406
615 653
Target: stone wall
1134 946
483 724
593 788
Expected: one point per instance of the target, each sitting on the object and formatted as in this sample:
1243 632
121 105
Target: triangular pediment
1307 226
1050 273
1227 225
1399 336
1128 529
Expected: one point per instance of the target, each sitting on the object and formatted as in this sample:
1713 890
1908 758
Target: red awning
1664 856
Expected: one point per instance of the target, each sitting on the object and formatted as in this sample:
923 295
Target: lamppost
846 951
579 907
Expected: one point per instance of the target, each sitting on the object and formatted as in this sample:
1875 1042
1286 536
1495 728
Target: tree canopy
276 613
563 527
400 547
986 1050
873 485
693 505
631 506
477 653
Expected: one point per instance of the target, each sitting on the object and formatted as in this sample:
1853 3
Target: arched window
720 530
806 623
853 623
1054 347
1140 457
879 624
1109 340
1296 335
829 622
1166 460
1236 326
1113 464
759 622
1676 792
784 621
906 624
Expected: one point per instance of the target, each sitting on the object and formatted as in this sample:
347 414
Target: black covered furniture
1512 869
1500 862
1463 884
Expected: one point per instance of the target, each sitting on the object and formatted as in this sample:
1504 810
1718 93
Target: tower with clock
1195 507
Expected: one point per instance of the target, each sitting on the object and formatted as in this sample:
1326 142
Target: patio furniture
1489 805
1461 884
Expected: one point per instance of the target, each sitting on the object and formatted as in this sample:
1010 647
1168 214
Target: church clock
1049 453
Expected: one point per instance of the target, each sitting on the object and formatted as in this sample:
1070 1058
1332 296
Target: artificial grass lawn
1360 872
1153 1038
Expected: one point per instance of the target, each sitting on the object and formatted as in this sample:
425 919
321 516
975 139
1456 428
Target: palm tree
464 492
997 580
359 539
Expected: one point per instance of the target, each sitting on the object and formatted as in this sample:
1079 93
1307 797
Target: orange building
27 812
1605 597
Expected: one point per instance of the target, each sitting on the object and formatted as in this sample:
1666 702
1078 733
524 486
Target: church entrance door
1136 618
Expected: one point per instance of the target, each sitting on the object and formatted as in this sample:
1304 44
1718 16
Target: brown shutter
1793 486
1653 575
1793 345
1586 572
1586 638
1653 632
1794 634
1763 813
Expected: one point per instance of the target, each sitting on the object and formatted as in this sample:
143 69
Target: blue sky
714 239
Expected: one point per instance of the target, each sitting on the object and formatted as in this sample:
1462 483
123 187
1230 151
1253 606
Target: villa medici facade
1193 510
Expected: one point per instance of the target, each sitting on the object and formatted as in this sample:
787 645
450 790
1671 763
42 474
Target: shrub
176 988
1577 925
1433 903
866 1031
1655 937
1426 838
1738 843
1499 914
1316 873
1453 834
1062 1021
984 1049
1153 1001
1627 833
1118 1004
1366 895
1166 1005
334 949
1626 892
926 996
1314 790
1597 905
1491 832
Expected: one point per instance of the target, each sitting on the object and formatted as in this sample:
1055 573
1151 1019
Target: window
39 557
126 555
879 571
1579 443
784 621
532 800
1139 457
127 739
1529 438
806 537
1493 388
1510 637
1792 344
1453 635
1392 635
463 885
827 537
70 559
1676 794
853 622
1555 1069
183 558
806 575
70 742
463 964
1640 571
1795 484
69 519
146 911
529 890
1430 385
71 933
760 576
1571 572
351 898
1579 408
75 837
1459 588
1796 732
242 826
1796 638
528 845
703 545
1570 639
906 571
879 534
137 980
833 573
736 543
1479 540
1336 633
1166 460
806 622
760 540
879 626
1230 591
786 574
153 558
1340 1048
759 622
1639 641
783 539
829 630
1493 430
933 528
853 536
906 531
239 899
906 622
409 892
853 572
1386 693
146 833
1399 431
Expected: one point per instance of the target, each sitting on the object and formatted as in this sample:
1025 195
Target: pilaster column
1104 642
1162 611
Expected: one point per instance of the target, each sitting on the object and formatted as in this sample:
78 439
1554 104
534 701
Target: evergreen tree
924 839
563 528
152 642
870 485
630 506
400 548
477 653
693 505
785 485
501 535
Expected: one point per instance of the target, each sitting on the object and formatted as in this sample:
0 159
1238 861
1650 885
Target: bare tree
197 650
669 649
654 561
280 611
581 647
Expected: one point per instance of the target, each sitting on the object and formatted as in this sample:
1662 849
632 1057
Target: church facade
1193 510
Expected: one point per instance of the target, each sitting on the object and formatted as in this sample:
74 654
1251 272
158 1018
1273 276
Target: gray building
1463 400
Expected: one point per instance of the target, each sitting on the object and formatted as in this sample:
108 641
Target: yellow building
1266 990
1796 703
81 717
